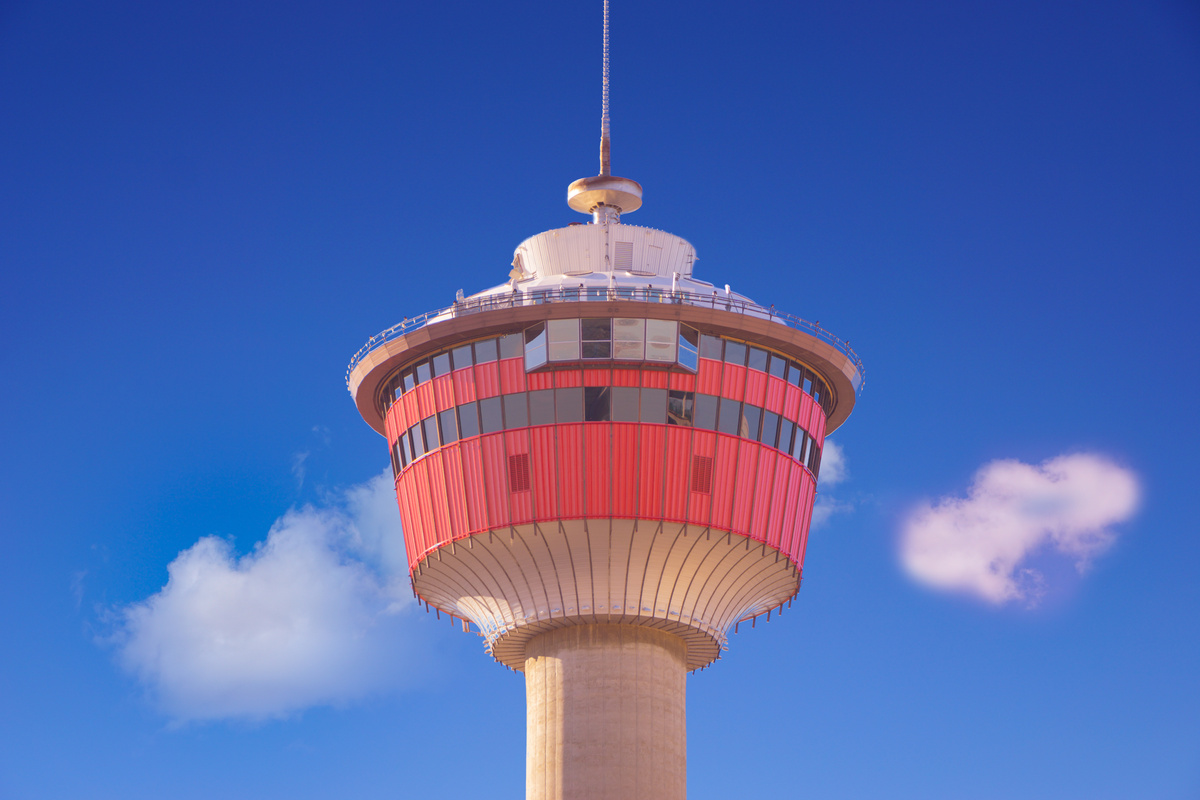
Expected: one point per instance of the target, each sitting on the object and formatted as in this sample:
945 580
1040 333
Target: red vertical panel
438 501
804 415
764 486
475 485
487 379
704 444
443 392
624 468
410 539
778 502
456 496
420 500
775 391
517 443
708 378
626 377
464 384
756 387
746 476
540 380
495 478
810 497
654 378
650 471
724 480
425 404
792 510
791 402
409 410
570 469
597 377
545 473
566 378
598 474
733 384
512 375
678 444
682 381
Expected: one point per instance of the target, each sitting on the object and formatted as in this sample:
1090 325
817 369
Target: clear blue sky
206 208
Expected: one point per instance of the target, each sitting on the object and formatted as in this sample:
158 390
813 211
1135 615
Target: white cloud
315 615
833 472
979 544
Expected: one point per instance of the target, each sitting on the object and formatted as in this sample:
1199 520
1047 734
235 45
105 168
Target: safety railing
517 299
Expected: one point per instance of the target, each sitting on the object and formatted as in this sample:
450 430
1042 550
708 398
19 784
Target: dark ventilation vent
518 472
702 474
622 255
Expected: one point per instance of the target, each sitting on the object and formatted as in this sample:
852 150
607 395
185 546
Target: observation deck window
417 441
491 414
564 339
468 420
462 356
441 364
625 403
706 411
751 420
680 407
786 429
449 426
535 346
424 372
629 339
654 406
516 413
596 404
511 346
661 340
758 359
778 366
485 351
432 441
689 340
712 347
730 417
770 428
568 404
597 338
735 353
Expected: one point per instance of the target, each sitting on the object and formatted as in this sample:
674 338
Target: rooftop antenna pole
604 157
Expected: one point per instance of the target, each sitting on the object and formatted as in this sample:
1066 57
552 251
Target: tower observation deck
604 465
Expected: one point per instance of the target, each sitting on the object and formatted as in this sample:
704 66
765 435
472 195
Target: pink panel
791 401
598 475
420 499
495 475
682 381
570 469
708 378
804 415
443 392
438 500
540 380
597 377
810 497
764 486
517 443
464 384
409 411
779 489
650 471
745 478
733 384
473 481
566 378
704 444
626 377
724 481
791 509
775 392
487 379
425 403
541 464
819 421
756 387
512 375
654 378
456 493
410 538
675 468
624 469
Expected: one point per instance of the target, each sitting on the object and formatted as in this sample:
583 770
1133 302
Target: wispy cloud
317 614
833 472
980 544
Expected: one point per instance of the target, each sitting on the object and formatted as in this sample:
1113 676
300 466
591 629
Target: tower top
604 196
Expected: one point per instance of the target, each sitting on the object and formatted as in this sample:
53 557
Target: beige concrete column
605 714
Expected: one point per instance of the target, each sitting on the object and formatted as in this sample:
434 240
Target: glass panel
462 356
596 330
535 355
795 373
516 413
629 339
441 364
661 336
468 420
706 411
398 388
541 407
564 339
654 406
510 346
808 382
778 366
405 451
689 340
595 404
568 404
424 372
758 359
800 445
432 442
731 416
711 347
485 351
597 350
735 353
818 391
417 441
449 426
814 459
492 415
770 428
625 404
786 428
679 407
407 380
751 416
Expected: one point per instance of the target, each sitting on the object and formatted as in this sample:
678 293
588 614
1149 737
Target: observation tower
604 465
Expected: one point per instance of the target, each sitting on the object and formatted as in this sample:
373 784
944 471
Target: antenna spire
604 157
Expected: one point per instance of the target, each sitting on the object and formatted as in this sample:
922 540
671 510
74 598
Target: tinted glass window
786 427
441 364
679 407
778 366
416 440
449 426
800 445
770 428
731 416
541 407
405 452
808 384
491 414
706 411
795 373
510 346
814 459
535 346
625 403
424 372
711 347
751 416
596 401
758 359
485 351
516 415
407 380
468 420
432 442
462 356
654 406
568 404
735 353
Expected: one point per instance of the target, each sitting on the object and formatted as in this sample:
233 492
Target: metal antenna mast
604 159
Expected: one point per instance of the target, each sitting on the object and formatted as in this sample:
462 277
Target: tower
605 464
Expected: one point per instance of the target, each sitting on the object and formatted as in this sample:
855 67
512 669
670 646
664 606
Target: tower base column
605 714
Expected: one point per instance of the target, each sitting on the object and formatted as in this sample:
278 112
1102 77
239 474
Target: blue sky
207 208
